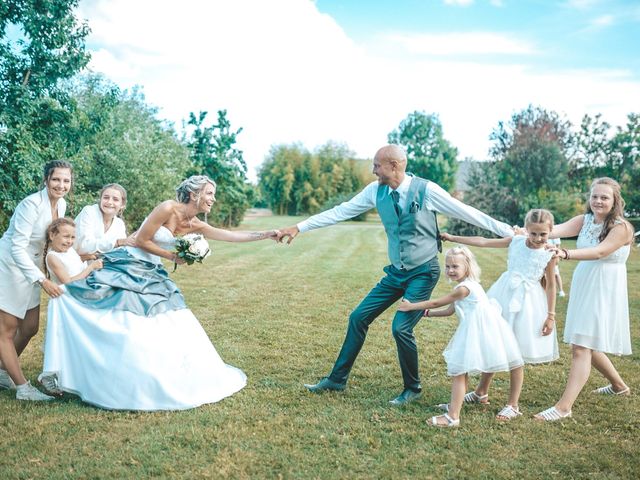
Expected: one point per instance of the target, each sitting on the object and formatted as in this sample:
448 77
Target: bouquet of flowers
192 247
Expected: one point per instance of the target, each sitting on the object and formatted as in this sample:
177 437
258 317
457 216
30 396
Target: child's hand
549 325
406 306
97 264
445 236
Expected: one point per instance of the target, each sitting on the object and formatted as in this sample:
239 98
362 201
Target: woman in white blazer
99 227
21 277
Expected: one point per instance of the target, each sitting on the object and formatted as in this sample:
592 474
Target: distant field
279 312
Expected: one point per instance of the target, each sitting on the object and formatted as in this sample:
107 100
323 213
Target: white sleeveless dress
70 259
483 342
120 360
524 301
598 310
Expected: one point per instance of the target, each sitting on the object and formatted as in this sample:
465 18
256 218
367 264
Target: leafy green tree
295 181
119 139
625 161
213 153
41 44
429 155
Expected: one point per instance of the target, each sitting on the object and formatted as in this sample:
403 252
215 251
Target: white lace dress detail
524 301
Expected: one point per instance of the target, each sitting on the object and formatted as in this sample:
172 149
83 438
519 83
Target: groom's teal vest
412 237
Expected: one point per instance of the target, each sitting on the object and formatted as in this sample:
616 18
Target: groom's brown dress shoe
325 385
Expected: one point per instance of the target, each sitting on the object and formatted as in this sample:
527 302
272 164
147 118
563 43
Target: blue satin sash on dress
128 283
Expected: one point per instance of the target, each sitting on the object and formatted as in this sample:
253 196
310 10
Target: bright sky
350 71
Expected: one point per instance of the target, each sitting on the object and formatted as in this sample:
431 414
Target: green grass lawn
280 312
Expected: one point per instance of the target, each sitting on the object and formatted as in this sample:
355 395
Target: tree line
49 111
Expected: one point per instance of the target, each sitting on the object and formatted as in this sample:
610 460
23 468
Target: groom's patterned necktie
395 196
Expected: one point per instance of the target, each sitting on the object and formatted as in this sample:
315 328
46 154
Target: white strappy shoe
509 412
552 414
608 390
450 421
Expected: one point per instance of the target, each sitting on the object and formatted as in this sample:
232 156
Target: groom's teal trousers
415 285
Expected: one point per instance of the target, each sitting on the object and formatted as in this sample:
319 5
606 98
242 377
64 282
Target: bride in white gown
124 339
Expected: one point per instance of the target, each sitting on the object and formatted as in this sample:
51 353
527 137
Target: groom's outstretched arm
440 201
362 202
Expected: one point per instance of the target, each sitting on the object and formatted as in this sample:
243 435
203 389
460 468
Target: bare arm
443 312
550 279
570 228
478 241
223 235
457 294
57 268
619 236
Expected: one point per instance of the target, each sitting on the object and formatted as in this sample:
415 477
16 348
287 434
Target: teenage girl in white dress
21 277
99 227
598 312
483 341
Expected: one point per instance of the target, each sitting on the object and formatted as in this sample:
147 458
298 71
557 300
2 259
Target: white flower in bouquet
192 247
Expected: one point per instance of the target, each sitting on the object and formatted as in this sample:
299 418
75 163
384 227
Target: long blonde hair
473 269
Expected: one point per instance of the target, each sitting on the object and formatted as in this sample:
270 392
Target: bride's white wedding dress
123 339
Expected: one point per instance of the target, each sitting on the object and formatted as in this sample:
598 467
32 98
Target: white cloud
478 43
497 3
460 3
582 4
602 21
287 73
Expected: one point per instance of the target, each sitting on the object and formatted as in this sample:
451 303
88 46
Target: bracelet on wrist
426 313
566 253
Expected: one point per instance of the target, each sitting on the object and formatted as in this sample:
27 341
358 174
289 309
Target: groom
407 206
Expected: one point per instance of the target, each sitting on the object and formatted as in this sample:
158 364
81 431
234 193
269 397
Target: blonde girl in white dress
526 305
62 265
483 341
598 312
100 227
21 277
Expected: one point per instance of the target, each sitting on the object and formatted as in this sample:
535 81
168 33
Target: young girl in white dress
526 305
483 341
598 311
62 265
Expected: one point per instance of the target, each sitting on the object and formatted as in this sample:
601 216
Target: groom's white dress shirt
437 200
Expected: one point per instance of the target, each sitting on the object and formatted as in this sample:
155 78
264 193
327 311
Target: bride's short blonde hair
194 184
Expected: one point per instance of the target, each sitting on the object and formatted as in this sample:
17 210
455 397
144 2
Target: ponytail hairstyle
616 214
53 229
537 216
50 167
123 194
473 269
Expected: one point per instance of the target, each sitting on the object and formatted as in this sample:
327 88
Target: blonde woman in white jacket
21 277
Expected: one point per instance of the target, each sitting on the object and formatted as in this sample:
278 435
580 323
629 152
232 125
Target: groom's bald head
392 153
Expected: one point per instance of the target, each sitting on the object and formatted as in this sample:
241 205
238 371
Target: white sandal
473 397
552 414
450 421
608 390
509 412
